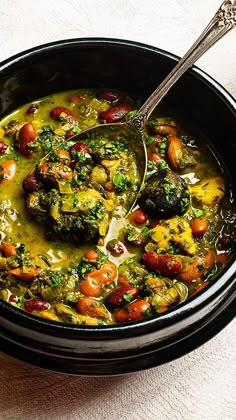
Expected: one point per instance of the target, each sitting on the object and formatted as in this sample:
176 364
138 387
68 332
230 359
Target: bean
115 247
155 158
36 305
32 109
57 113
108 96
9 250
8 171
63 156
196 269
80 147
31 183
121 296
165 129
94 282
27 134
13 299
91 307
3 148
135 311
167 265
139 217
199 226
116 113
174 151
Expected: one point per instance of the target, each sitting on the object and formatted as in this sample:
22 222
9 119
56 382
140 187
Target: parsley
121 182
198 213
56 279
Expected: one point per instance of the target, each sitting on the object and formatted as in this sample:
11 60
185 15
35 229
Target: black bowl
137 68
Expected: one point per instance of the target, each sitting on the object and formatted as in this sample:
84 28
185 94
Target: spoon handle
223 21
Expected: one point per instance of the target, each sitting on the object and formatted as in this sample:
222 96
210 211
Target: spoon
223 21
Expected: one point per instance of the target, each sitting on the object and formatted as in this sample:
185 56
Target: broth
67 254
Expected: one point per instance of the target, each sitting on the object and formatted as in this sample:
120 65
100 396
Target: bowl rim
177 313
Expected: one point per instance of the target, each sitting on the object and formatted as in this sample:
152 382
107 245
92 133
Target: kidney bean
116 113
55 113
121 296
69 134
75 99
156 141
80 147
31 183
32 109
155 158
36 305
27 134
115 247
199 226
91 307
91 255
154 223
138 217
25 276
167 265
133 237
135 311
94 282
174 151
9 250
13 299
224 242
197 268
108 96
3 147
8 171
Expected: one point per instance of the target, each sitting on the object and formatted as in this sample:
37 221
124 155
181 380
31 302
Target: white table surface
201 385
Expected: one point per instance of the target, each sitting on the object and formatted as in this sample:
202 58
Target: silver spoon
223 21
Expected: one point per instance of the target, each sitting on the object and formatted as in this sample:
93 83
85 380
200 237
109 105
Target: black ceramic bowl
137 68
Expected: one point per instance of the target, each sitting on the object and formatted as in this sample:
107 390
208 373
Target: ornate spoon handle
223 21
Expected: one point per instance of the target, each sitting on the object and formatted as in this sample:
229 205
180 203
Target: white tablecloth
201 385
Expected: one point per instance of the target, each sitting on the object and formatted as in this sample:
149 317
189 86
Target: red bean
134 311
55 113
3 147
167 265
13 299
31 183
116 113
27 134
134 238
36 305
121 296
69 134
80 147
138 217
155 158
115 247
108 96
32 109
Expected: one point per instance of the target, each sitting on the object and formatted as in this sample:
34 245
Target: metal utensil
223 21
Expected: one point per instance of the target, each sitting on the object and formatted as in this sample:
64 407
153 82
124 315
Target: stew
67 254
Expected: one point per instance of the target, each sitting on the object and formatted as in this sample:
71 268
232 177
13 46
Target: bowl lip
186 308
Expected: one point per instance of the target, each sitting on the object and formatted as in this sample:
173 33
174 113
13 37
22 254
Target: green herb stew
67 254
